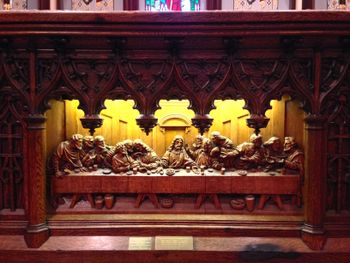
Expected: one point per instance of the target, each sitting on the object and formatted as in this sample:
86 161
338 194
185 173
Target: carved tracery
11 154
336 106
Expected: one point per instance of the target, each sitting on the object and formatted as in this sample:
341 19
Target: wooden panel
243 131
107 129
294 121
226 131
55 126
140 184
123 130
218 184
260 183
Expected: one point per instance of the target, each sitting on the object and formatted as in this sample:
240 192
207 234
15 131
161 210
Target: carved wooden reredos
201 57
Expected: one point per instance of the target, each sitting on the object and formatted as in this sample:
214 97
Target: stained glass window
172 5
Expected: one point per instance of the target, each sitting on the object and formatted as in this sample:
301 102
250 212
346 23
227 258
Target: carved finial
202 123
91 122
257 122
146 122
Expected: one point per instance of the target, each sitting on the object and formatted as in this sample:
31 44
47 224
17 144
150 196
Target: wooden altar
201 57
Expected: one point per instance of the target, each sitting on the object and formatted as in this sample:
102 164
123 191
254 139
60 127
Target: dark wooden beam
44 4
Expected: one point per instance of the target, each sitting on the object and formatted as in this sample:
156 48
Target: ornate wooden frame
200 57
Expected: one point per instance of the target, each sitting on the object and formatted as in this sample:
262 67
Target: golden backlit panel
230 119
255 5
174 118
55 125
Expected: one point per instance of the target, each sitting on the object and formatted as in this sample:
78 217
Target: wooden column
213 4
37 230
313 233
308 4
44 4
131 5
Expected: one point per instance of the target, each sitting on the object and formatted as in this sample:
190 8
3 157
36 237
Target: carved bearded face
77 141
207 146
198 142
215 138
88 142
178 144
100 142
289 144
276 146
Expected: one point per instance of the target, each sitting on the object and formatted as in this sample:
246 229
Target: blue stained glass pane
172 5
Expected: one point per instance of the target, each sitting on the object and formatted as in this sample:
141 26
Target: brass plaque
140 243
174 243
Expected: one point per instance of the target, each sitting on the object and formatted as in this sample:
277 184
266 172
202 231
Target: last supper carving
277 164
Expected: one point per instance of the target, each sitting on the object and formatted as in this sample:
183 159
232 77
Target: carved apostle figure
196 148
88 155
176 155
246 150
101 150
145 157
205 159
121 160
68 155
256 156
295 157
127 145
273 153
223 149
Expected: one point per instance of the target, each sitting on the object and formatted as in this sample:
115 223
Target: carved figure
246 150
196 148
88 156
101 150
204 158
129 145
273 153
255 154
295 157
223 149
121 161
145 157
68 155
176 155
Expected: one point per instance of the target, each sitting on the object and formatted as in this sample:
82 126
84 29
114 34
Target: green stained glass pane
172 5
